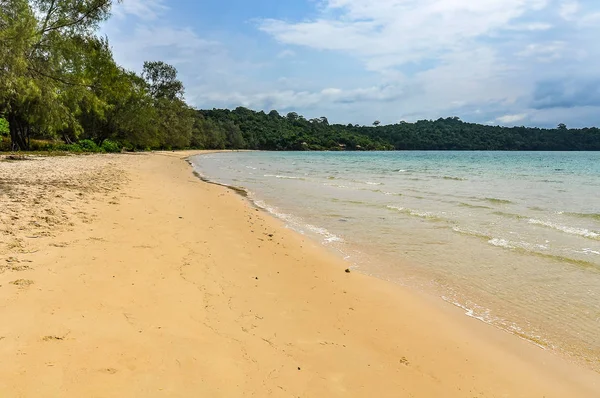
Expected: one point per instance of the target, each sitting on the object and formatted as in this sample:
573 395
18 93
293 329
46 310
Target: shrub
89 146
41 145
110 146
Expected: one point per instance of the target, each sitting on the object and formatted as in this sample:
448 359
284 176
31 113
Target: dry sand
126 276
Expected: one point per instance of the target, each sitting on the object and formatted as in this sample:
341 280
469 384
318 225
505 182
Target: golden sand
126 276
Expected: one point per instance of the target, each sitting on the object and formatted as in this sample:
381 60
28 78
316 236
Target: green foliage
61 90
293 132
162 81
4 128
89 146
111 146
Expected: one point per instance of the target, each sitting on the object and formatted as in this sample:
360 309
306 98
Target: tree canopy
59 85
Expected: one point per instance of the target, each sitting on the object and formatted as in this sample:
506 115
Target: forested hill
245 128
61 89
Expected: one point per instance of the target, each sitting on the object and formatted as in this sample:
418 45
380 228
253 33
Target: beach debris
299 368
53 338
404 361
347 270
22 282
256 277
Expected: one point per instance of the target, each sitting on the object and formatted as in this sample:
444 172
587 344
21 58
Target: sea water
513 238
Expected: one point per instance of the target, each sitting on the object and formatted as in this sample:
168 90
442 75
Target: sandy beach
127 276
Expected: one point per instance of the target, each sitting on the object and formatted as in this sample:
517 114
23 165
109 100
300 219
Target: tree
234 136
376 123
562 126
162 80
42 80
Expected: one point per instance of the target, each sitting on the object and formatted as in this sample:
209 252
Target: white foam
470 312
298 225
566 229
336 185
588 251
494 321
416 213
283 177
501 243
373 183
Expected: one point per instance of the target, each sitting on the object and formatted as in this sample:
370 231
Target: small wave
401 171
497 201
462 204
588 251
473 233
538 251
373 183
422 214
516 245
336 185
501 243
450 178
593 216
470 312
509 215
251 168
284 177
298 225
484 315
586 233
536 208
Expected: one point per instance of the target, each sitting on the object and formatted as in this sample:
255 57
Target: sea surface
513 238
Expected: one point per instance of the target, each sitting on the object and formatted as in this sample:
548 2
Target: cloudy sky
507 62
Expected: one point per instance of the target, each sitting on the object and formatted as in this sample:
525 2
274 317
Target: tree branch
48 15
77 21
58 79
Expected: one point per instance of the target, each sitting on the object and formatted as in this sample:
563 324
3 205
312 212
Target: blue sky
507 62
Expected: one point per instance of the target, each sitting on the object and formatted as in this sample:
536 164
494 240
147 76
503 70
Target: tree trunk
19 134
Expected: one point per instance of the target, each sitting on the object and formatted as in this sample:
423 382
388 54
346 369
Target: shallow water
511 237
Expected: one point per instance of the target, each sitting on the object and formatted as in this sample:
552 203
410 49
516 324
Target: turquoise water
511 237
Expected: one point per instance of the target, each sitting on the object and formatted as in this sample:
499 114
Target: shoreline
301 228
179 288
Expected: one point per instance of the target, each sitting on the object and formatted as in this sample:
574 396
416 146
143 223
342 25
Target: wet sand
125 275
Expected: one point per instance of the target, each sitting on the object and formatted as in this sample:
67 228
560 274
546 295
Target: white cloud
532 26
293 99
387 59
388 33
544 52
173 45
568 9
511 118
